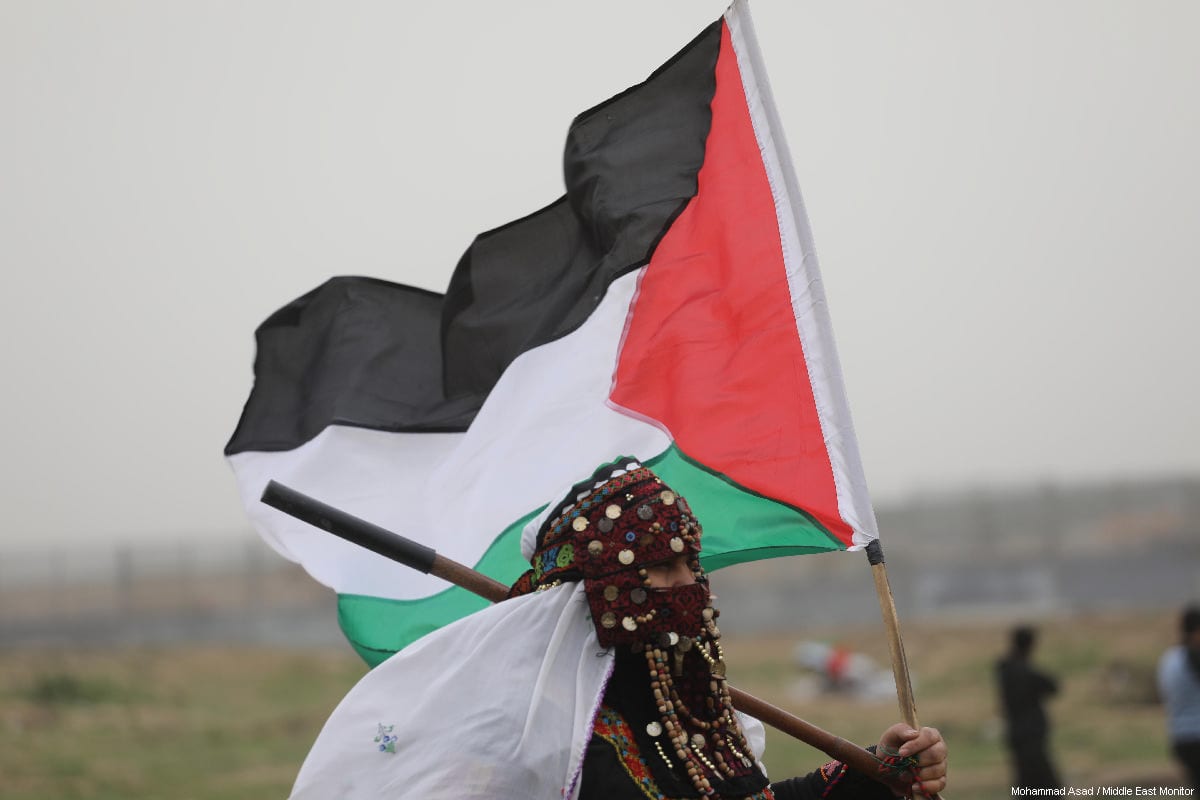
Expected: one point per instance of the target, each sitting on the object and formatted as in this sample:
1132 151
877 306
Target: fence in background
1014 553
198 589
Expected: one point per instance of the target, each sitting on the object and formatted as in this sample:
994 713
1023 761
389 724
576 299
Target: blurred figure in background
1022 692
842 671
1179 685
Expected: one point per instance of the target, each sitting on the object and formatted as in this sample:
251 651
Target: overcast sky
1004 196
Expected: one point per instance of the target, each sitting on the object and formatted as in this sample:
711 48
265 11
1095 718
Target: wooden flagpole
407 552
891 624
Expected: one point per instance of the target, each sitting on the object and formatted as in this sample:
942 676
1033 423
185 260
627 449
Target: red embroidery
612 728
832 773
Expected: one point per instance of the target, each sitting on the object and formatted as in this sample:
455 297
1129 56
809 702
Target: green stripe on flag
379 626
739 526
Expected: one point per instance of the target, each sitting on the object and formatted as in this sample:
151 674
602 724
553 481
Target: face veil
608 532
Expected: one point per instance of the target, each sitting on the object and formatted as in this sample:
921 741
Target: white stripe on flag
543 426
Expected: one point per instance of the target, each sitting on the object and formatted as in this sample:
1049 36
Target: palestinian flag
669 306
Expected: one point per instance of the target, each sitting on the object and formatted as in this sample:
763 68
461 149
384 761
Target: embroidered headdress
606 531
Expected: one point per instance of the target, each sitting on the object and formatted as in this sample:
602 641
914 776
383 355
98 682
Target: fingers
921 741
897 735
930 751
928 786
931 786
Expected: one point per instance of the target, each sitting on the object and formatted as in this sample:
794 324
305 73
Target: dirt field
208 722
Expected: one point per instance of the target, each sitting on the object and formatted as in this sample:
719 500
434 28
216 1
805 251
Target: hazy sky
1004 195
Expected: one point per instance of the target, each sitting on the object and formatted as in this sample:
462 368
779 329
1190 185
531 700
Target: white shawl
496 705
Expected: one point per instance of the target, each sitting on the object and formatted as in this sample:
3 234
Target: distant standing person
1179 686
1022 692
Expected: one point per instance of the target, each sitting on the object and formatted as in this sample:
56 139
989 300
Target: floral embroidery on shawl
385 739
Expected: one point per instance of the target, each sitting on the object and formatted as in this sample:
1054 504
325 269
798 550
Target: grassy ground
1108 728
181 723
207 722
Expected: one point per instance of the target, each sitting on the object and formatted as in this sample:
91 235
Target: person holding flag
603 676
670 304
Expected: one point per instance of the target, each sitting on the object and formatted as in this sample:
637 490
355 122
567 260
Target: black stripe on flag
374 354
353 351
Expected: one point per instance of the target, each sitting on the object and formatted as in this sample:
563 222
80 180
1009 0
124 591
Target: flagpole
422 558
891 623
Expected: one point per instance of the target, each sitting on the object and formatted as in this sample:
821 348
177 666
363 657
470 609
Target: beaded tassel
707 754
722 731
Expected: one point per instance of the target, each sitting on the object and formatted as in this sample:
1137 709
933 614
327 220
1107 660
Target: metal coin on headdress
677 544
595 547
673 638
668 497
638 596
613 511
609 620
718 669
605 525
629 624
654 728
579 523
698 741
625 557
663 640
686 643
611 593
645 512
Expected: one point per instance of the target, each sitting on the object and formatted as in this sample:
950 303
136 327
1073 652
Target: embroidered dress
622 762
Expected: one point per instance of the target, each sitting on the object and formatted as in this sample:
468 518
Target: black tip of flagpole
875 552
350 528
